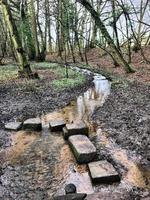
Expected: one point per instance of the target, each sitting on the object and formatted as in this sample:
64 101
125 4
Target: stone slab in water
83 149
14 126
82 181
33 124
71 197
79 128
103 172
57 125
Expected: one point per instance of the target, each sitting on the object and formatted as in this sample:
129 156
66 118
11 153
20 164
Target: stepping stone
82 181
57 125
33 124
71 197
103 172
79 128
83 149
14 126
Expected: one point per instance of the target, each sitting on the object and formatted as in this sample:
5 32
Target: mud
125 116
38 165
19 101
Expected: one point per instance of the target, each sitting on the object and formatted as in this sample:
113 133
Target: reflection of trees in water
91 99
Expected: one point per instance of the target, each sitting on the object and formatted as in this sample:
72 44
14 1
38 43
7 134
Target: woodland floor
125 115
21 99
99 61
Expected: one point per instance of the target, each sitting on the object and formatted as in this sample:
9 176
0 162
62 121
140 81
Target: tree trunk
115 51
34 29
24 67
27 40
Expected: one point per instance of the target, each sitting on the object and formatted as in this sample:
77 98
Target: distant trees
115 50
71 27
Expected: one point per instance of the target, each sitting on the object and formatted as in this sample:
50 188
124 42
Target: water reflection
83 107
94 97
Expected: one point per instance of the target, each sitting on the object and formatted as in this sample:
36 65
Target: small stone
79 128
103 172
82 147
65 133
70 188
57 125
71 197
14 126
33 124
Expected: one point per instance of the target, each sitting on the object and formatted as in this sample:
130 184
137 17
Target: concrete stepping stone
79 128
82 181
103 172
57 125
33 124
83 149
14 126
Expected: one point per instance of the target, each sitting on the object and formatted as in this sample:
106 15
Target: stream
39 165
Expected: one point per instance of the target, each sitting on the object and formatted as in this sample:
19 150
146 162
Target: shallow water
134 174
83 107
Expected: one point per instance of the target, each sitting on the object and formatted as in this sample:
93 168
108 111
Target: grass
56 68
9 72
68 82
61 83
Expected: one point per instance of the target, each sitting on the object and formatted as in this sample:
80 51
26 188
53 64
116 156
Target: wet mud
39 165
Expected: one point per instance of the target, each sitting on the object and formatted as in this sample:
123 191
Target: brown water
134 174
84 106
50 155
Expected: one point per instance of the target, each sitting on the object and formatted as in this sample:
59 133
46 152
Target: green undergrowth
116 80
61 82
68 82
8 72
57 72
58 69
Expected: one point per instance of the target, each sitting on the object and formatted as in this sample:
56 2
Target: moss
8 72
57 69
65 83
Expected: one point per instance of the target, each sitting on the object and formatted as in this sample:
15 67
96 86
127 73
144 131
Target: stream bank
21 99
38 165
125 116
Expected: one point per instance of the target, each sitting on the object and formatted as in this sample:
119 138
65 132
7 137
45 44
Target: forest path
40 164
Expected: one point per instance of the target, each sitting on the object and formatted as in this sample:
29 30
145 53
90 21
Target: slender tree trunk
24 67
115 23
115 51
59 29
27 39
34 29
50 46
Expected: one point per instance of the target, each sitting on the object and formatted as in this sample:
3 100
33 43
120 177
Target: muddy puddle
133 174
45 161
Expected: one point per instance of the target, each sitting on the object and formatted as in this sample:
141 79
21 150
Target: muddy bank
20 101
38 165
125 116
28 162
